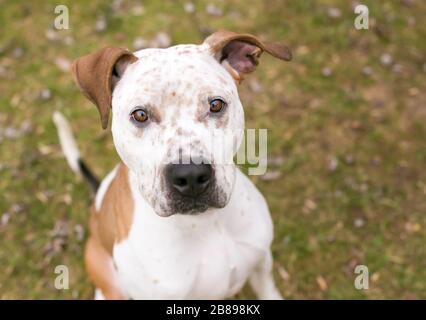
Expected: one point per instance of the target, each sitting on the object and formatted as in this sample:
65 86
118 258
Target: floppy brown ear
97 74
240 53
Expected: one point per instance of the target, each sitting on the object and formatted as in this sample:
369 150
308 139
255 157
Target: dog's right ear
97 74
239 53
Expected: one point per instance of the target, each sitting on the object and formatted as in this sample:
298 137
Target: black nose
189 179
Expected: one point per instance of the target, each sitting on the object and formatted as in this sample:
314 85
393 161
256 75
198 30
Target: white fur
206 256
177 82
67 141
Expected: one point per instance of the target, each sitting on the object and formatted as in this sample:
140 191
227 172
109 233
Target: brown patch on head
202 113
240 53
113 221
223 38
97 74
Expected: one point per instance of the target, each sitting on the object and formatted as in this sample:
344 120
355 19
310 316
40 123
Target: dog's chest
191 262
208 256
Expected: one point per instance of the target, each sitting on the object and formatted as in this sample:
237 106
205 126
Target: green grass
373 126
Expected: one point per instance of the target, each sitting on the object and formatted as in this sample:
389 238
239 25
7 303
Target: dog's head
177 118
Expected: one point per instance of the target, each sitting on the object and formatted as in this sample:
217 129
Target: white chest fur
206 256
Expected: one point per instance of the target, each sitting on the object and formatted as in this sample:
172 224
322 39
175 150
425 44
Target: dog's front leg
262 280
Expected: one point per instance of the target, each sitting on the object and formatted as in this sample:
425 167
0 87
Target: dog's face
171 108
177 118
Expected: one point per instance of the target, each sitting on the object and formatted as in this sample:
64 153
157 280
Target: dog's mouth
176 203
179 204
190 207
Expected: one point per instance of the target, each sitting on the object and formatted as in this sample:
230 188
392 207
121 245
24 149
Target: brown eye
140 115
216 105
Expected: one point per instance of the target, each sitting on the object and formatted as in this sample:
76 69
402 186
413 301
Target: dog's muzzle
190 180
191 187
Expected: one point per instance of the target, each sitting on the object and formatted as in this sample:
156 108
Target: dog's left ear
97 74
240 53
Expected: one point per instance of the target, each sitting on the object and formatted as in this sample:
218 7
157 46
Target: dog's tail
71 152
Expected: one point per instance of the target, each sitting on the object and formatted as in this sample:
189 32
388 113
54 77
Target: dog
159 228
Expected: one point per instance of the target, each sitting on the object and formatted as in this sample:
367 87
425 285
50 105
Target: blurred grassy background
346 119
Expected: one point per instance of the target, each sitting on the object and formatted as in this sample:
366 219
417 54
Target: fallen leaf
322 283
283 273
271 175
